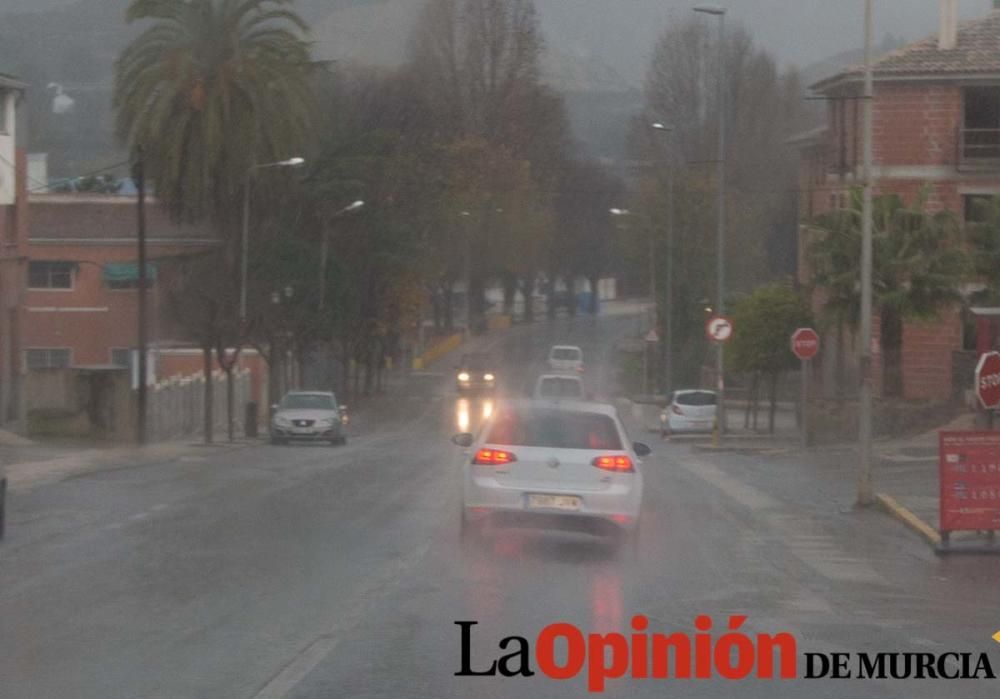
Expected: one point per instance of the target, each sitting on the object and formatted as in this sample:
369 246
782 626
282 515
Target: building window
50 275
976 207
124 276
981 123
121 356
47 358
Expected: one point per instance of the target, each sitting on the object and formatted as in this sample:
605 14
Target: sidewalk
31 466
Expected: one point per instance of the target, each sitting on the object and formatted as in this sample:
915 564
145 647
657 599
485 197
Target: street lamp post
142 395
865 493
720 12
668 341
245 238
325 245
467 263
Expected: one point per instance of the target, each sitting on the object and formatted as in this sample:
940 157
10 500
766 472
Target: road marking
305 662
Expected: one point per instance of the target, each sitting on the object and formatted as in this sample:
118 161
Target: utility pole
668 341
865 493
720 273
139 174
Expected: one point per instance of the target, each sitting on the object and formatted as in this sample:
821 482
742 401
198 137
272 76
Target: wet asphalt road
338 572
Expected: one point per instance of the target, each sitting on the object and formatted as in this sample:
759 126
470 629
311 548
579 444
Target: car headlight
325 422
488 377
282 421
463 376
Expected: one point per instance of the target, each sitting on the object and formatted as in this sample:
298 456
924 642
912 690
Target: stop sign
988 380
805 343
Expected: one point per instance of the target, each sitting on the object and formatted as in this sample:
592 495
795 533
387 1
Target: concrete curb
740 449
926 531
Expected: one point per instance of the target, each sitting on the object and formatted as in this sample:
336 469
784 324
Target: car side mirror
463 440
274 406
343 408
641 449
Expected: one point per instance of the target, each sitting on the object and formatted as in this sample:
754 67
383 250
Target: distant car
689 411
566 358
309 415
475 372
559 386
567 466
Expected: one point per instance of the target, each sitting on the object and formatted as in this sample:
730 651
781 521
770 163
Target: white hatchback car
566 358
689 411
561 466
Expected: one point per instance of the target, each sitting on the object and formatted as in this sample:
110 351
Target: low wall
438 350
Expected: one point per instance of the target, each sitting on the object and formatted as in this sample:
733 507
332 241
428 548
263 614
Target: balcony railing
978 149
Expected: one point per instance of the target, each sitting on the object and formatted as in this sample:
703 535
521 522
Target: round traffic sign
988 380
719 328
805 343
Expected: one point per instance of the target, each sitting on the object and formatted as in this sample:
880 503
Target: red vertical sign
969 465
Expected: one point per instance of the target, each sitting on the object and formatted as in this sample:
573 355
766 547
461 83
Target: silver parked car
309 415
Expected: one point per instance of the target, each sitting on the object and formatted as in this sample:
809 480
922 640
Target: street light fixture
720 12
245 238
325 247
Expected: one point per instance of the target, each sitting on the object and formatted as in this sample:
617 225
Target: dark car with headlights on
475 372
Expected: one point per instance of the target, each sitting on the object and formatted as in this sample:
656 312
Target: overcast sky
800 31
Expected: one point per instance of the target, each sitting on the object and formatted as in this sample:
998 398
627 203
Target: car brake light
676 410
621 464
494 457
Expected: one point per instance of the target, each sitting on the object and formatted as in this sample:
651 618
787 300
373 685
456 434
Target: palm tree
918 265
209 89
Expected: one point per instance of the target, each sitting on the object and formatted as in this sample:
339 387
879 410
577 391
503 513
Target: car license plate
554 502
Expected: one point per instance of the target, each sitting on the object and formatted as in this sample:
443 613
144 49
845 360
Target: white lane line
305 662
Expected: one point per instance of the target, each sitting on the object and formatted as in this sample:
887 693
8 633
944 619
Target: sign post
719 329
805 346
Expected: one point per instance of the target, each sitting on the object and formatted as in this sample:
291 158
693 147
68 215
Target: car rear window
556 429
560 388
697 399
572 354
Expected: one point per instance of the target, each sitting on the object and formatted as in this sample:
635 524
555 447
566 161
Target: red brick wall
916 123
927 356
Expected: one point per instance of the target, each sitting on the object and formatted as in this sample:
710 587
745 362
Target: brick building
936 126
13 236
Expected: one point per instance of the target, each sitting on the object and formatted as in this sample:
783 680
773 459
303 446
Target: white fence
176 406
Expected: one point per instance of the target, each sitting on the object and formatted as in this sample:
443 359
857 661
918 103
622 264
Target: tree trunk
774 402
750 396
449 307
892 354
528 291
756 398
593 295
207 413
509 292
230 407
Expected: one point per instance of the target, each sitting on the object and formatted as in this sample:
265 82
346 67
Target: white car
309 416
689 411
566 358
567 465
559 387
